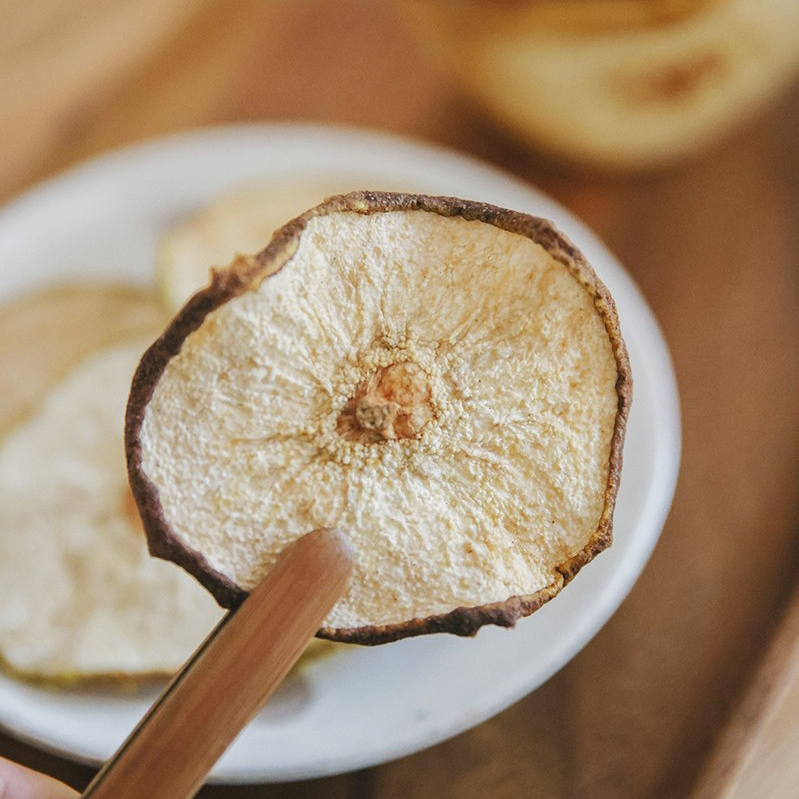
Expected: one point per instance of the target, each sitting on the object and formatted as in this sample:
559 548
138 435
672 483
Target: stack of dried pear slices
82 599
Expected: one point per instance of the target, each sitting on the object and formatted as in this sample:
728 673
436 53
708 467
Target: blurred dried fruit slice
238 221
79 585
82 599
617 83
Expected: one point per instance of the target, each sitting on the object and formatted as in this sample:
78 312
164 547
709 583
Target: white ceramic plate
365 706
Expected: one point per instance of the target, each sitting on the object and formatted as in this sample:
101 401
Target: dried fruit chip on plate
236 221
82 600
443 380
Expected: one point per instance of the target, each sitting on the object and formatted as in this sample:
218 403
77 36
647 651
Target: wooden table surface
714 245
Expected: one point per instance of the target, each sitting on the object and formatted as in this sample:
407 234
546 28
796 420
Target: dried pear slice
45 333
82 599
617 84
443 380
237 221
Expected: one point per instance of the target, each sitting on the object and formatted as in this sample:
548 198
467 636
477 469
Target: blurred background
670 127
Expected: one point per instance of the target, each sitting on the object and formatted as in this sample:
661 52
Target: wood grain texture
714 245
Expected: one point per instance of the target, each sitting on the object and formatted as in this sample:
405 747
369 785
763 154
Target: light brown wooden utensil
230 676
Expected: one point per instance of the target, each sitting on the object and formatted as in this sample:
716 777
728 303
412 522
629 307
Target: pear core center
393 403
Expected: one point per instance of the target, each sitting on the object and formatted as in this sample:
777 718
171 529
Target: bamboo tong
231 675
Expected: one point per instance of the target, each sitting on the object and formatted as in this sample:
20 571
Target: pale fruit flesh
82 596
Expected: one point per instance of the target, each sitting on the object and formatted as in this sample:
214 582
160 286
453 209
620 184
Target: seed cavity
393 403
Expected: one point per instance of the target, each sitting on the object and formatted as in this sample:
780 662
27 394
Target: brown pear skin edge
247 273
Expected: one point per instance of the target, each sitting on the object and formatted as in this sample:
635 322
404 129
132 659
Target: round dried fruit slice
444 381
617 84
82 600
